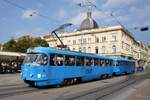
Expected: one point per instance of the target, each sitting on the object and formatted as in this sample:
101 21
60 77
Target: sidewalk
142 91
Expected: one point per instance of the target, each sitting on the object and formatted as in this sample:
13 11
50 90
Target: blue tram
47 66
123 66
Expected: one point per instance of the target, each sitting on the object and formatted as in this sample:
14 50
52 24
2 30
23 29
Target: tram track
16 91
93 94
10 85
101 92
9 88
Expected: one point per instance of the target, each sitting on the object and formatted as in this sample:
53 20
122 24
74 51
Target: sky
40 17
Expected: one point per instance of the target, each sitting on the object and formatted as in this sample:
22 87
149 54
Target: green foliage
22 44
9 46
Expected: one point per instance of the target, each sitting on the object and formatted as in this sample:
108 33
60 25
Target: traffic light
144 28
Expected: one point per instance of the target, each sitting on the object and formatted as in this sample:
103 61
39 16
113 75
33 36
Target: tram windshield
36 59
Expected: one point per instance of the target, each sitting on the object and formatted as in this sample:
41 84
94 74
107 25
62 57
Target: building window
103 49
96 50
74 49
80 49
84 49
80 41
68 41
68 48
84 40
114 49
74 41
89 49
114 38
89 40
97 40
103 39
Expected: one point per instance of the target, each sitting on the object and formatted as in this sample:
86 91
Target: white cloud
37 31
20 34
29 14
141 12
96 15
77 19
62 14
82 1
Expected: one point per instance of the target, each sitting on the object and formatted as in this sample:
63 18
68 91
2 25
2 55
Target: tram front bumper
34 77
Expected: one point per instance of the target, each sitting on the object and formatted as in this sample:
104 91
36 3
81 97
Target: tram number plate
88 71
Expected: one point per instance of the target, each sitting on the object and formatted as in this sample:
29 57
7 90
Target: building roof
11 54
88 23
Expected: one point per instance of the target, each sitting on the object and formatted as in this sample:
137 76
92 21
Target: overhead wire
115 18
46 17
110 14
24 8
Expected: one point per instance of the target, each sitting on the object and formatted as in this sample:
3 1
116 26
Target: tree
10 45
23 43
40 42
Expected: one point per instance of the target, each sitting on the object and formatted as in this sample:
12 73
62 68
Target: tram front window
35 59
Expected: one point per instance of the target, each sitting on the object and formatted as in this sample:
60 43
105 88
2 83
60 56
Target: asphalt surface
53 93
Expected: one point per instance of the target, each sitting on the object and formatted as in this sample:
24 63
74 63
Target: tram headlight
43 75
31 75
39 75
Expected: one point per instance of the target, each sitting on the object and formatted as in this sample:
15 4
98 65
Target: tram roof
65 52
120 59
11 54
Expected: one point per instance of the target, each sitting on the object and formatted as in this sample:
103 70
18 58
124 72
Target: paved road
57 93
53 93
10 79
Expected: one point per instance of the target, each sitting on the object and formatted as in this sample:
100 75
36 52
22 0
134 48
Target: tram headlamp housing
39 75
31 75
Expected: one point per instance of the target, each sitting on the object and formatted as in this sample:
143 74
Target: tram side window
102 62
80 61
133 63
108 62
70 61
121 63
52 59
92 62
116 63
127 63
96 62
124 63
56 60
87 62
59 60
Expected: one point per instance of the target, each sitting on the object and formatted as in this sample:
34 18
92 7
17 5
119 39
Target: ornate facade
106 41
